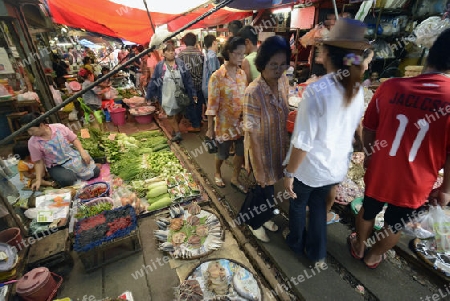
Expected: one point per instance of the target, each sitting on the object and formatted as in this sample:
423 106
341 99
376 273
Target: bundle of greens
93 145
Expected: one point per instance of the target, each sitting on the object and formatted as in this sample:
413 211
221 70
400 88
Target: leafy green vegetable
88 211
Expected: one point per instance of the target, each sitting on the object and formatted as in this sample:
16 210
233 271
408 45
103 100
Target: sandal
219 182
334 219
350 246
375 265
271 226
239 187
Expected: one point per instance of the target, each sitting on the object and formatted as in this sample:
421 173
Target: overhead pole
149 16
335 10
55 109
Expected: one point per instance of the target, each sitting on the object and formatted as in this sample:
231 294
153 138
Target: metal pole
107 76
335 10
149 16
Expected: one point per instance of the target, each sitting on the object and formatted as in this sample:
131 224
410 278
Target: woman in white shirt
321 143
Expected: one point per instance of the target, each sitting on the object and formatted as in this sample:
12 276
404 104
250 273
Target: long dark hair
351 82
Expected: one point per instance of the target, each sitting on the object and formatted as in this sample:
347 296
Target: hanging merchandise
429 7
5 64
428 31
310 38
364 10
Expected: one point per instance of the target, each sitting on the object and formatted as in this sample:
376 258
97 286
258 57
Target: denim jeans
312 241
194 110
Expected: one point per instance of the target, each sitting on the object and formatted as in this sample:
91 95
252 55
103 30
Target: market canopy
261 4
128 19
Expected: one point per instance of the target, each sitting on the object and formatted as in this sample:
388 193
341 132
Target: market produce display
147 169
93 144
220 279
92 191
127 93
353 185
84 211
189 232
93 231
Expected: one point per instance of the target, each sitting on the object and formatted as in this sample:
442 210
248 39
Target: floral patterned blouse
225 100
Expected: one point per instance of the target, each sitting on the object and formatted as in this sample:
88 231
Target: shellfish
193 220
195 241
194 208
202 230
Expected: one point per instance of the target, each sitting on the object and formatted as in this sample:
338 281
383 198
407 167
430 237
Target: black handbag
255 218
211 144
181 97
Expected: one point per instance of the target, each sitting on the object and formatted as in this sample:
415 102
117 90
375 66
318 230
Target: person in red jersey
407 140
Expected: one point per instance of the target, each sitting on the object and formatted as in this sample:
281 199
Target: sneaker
260 234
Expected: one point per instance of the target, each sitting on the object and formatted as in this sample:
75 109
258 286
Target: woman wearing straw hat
321 143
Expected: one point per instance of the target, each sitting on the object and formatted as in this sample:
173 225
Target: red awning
132 24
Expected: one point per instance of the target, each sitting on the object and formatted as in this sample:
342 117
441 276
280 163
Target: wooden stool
14 124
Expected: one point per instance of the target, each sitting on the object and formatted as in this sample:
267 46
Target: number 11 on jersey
403 122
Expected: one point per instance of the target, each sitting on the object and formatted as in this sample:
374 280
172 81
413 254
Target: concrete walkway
345 278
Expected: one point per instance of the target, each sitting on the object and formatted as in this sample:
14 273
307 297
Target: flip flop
375 265
333 219
239 187
219 182
349 242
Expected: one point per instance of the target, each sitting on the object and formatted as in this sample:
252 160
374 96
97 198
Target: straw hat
348 34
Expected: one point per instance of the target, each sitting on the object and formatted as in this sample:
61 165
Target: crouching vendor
50 147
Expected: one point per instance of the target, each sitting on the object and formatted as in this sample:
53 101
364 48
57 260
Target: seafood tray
220 279
182 188
189 233
427 251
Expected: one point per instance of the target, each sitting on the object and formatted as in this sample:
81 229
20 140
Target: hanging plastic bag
73 116
438 222
426 221
441 227
56 95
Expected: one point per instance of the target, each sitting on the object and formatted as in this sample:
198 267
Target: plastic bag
73 116
438 222
428 31
56 95
441 227
123 196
